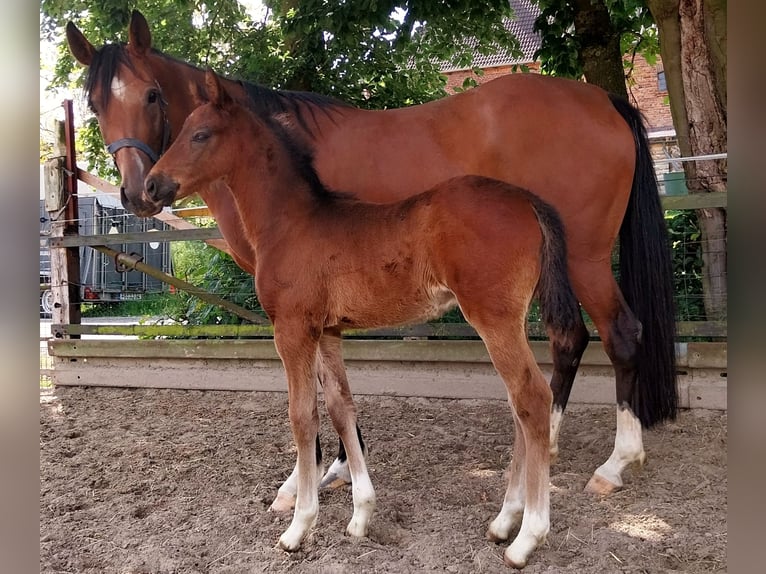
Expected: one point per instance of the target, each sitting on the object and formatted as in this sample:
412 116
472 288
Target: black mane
270 102
301 156
265 101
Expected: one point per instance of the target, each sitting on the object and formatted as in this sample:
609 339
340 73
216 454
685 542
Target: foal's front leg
298 353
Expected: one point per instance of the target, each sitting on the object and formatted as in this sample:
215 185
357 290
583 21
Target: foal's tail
559 307
646 281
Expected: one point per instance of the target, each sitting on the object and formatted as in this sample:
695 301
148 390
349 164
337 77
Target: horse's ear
199 94
215 90
139 37
81 49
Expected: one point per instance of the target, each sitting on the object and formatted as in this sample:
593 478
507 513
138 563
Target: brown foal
325 262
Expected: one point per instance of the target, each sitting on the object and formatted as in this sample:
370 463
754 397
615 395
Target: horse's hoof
332 481
282 504
287 545
356 530
599 485
513 564
496 538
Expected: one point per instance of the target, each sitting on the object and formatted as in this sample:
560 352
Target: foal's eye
153 97
201 136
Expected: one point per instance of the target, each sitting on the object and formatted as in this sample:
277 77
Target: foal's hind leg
620 333
340 405
285 499
530 397
531 402
566 353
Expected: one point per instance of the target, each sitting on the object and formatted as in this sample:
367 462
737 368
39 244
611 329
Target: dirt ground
157 481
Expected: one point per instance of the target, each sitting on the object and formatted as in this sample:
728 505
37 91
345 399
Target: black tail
646 280
559 308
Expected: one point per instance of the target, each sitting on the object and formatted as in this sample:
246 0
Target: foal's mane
265 101
298 153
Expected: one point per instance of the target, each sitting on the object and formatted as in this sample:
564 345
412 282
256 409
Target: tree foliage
562 51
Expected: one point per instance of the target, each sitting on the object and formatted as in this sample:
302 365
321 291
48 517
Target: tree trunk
600 54
693 47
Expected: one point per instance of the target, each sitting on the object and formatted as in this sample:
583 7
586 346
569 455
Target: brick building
646 86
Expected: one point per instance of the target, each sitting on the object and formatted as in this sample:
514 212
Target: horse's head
207 149
128 102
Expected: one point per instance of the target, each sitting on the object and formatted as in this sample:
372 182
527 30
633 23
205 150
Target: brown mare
580 149
326 261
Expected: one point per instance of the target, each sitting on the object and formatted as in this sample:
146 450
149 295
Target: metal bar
695 200
133 262
200 233
693 158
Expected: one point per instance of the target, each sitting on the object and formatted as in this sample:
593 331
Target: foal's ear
215 90
81 49
139 37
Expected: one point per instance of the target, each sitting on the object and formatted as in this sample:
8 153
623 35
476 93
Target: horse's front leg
298 353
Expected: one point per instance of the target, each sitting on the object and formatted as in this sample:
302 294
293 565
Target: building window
661 84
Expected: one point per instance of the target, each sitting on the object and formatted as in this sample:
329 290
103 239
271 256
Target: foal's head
223 139
218 139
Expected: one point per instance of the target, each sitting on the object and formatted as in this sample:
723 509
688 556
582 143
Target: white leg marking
306 510
534 530
285 500
557 414
303 520
628 449
337 475
364 503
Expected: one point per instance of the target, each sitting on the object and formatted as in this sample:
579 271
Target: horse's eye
153 97
201 136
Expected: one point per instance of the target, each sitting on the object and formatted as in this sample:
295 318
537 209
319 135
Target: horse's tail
559 308
646 281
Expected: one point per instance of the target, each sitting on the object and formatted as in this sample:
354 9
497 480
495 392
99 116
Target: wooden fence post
61 204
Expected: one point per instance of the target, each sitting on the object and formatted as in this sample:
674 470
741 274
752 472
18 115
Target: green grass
162 304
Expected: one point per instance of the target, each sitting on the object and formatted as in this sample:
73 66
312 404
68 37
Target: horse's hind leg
566 352
620 333
285 499
340 405
338 474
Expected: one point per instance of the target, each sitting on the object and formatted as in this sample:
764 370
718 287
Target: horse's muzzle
143 206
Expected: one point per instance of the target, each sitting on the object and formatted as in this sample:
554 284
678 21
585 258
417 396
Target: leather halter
136 143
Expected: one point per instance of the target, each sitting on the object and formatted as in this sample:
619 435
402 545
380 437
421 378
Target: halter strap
132 142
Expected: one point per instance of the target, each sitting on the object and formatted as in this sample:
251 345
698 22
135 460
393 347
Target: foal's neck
271 195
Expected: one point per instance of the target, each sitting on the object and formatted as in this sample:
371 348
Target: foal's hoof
338 475
282 504
333 481
518 564
600 485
